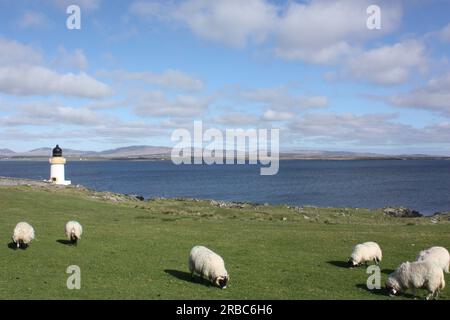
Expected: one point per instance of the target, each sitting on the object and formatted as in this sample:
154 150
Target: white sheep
73 231
417 275
438 255
23 234
365 252
208 265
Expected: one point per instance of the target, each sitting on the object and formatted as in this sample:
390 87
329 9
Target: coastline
396 212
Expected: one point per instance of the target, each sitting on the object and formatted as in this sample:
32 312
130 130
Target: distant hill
125 152
6 152
47 152
134 151
160 152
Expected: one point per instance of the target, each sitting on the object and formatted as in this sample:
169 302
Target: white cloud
273 115
324 32
234 118
106 105
76 59
281 98
274 104
122 132
270 104
317 31
22 73
48 119
36 80
390 64
148 10
434 96
370 129
232 22
320 31
50 114
173 79
346 129
157 104
32 19
13 52
444 33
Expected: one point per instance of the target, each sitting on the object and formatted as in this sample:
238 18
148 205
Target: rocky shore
396 212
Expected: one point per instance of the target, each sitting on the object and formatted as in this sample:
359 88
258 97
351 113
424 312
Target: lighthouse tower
57 163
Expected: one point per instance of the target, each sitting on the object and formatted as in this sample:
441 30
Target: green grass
139 250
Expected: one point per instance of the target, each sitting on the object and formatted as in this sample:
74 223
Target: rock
225 204
441 216
401 212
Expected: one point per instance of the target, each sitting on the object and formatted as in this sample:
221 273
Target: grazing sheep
438 255
73 231
417 275
208 265
23 234
364 252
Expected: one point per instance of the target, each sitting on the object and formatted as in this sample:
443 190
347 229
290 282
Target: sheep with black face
208 265
417 275
74 230
23 234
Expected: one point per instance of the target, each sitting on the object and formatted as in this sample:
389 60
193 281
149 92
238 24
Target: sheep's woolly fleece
208 265
365 252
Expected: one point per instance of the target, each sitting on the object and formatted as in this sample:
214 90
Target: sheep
364 252
208 265
73 231
417 275
438 255
23 234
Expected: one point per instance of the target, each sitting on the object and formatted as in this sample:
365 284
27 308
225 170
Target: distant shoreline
13 181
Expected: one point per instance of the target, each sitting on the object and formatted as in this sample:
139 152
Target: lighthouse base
61 183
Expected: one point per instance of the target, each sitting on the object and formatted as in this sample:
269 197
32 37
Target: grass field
139 249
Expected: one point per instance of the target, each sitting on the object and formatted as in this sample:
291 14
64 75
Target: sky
137 70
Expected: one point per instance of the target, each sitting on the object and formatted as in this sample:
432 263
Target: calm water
422 185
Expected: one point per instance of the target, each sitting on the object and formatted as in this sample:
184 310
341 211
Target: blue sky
137 70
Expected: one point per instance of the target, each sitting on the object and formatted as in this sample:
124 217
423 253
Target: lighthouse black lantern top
57 151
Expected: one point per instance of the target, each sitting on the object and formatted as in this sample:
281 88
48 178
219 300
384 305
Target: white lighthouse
57 163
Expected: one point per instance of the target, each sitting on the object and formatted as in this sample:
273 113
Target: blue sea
423 185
